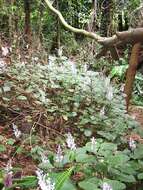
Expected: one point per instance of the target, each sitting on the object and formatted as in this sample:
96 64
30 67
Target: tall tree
106 8
27 27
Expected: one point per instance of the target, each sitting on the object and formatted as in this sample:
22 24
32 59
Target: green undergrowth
86 104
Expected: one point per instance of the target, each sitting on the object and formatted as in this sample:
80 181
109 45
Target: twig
50 129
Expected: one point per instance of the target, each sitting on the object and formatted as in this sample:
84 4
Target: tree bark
27 27
131 72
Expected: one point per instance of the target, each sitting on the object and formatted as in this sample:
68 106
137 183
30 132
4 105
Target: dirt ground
137 113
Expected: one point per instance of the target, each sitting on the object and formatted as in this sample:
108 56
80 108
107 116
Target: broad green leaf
10 141
90 184
126 178
2 148
140 176
85 158
92 147
107 149
26 182
62 178
117 160
68 186
107 135
115 185
1 137
46 165
88 133
138 152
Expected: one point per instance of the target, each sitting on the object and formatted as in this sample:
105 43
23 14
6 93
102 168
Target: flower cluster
93 143
70 142
44 159
106 186
44 181
102 112
16 131
8 175
109 89
109 94
132 144
5 51
59 156
2 66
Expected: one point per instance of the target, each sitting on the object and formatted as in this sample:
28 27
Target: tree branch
71 28
130 36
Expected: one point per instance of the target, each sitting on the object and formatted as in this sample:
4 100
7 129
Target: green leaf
126 178
85 158
26 182
117 160
118 70
92 148
10 141
140 176
1 138
62 178
21 98
46 165
107 149
68 186
90 184
2 148
127 169
87 132
116 185
138 152
108 146
107 135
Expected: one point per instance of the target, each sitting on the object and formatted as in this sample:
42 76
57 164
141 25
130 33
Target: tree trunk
131 72
27 27
106 17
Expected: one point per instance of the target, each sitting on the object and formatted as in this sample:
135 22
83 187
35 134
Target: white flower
106 186
16 131
132 144
44 181
59 157
133 117
35 58
93 143
70 142
8 175
60 51
8 167
73 68
107 81
3 66
5 51
122 87
85 68
44 158
101 160
109 94
102 112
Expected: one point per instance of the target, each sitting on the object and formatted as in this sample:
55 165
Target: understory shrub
108 154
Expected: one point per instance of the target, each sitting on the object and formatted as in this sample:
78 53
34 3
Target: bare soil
137 113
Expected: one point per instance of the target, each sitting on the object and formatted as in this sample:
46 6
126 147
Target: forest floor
24 161
137 113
